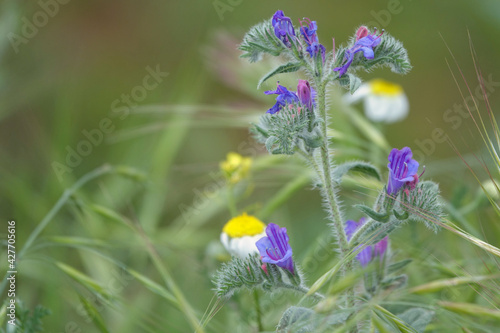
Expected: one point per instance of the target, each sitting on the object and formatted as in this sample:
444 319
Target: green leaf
380 325
417 318
354 83
401 216
394 282
303 320
83 279
380 217
298 320
238 274
270 142
471 310
259 132
259 40
132 173
27 321
154 287
350 81
287 68
109 214
312 139
398 266
393 319
363 167
423 204
94 314
438 285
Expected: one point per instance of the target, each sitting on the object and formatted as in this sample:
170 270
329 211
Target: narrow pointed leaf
287 68
362 167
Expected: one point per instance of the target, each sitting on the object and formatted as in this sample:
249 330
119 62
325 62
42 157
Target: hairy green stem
330 190
301 289
333 205
380 202
258 310
309 158
361 230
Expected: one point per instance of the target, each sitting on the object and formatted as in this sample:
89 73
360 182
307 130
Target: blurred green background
66 77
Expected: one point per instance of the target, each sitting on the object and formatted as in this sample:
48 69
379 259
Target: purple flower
365 255
306 94
380 248
283 27
364 44
402 169
284 97
311 38
274 249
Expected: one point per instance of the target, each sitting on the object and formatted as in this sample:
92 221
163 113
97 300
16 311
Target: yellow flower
383 101
240 234
382 87
235 167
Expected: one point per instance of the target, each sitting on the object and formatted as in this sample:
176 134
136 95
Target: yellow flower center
381 87
244 225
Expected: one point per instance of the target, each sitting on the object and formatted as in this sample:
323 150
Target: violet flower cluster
365 42
311 38
304 96
284 30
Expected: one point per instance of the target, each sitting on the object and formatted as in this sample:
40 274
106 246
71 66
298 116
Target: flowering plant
298 123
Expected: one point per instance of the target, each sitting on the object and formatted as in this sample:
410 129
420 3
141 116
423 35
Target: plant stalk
260 327
327 175
329 190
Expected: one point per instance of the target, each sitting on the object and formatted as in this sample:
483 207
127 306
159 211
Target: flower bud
362 32
305 94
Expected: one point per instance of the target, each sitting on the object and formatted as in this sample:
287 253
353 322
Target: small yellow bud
236 167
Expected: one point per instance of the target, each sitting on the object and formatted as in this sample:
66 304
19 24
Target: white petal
363 91
224 239
388 109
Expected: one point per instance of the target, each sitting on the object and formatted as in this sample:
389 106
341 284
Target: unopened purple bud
305 94
362 32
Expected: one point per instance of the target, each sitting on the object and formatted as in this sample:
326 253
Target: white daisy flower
383 101
240 234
